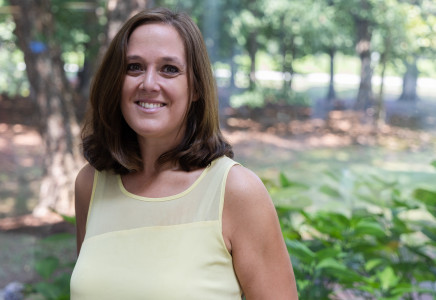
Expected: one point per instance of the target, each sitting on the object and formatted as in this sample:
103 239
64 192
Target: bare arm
83 191
252 233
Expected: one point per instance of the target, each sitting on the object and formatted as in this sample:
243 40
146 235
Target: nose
149 81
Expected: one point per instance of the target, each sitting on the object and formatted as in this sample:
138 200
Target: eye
170 70
134 68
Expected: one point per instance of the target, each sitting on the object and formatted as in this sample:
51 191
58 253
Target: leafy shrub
54 270
380 250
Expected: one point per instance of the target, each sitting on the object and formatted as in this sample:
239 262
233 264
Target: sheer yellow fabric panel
156 248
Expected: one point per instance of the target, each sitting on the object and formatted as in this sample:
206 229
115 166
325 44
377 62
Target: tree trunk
410 80
233 69
118 11
252 50
58 124
331 95
286 42
363 48
100 36
54 96
379 109
210 28
92 50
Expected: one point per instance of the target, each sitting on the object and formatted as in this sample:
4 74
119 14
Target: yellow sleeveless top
156 248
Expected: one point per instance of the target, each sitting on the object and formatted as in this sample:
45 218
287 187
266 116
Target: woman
162 210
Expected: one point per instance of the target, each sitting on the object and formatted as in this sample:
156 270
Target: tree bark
363 48
379 109
252 50
410 81
92 50
233 68
286 43
55 100
118 11
331 95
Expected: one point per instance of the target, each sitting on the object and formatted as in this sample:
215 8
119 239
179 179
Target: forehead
156 39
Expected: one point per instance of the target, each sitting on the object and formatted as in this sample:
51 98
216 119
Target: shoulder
248 208
87 172
82 196
244 187
85 177
83 187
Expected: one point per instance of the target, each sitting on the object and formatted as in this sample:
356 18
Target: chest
164 184
176 262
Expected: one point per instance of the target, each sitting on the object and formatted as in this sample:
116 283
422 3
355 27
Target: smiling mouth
150 105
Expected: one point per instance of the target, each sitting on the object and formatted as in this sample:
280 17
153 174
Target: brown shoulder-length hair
110 144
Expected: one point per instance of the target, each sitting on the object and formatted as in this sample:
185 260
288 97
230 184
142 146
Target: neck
150 153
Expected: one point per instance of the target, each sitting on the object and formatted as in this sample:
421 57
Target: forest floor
260 137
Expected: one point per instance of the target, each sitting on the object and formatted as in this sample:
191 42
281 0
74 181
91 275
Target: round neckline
166 198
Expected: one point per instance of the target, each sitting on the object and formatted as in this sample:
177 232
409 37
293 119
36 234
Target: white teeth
150 105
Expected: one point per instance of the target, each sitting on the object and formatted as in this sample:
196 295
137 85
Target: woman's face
155 93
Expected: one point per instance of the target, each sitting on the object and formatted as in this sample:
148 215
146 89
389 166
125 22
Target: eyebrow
165 59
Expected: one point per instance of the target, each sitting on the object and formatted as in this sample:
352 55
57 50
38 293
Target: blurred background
331 102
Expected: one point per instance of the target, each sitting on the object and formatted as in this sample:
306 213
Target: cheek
123 104
127 87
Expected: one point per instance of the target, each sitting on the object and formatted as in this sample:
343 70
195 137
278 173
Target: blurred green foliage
12 74
286 31
54 268
384 248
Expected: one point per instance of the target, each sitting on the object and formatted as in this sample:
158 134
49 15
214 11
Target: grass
21 251
16 257
311 167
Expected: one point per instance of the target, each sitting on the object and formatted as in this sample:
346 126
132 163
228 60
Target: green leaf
339 219
372 263
48 290
428 198
339 270
286 183
384 182
331 223
46 266
331 263
69 219
300 250
403 288
283 209
333 175
430 232
291 196
425 196
369 228
433 163
63 283
399 203
400 226
329 191
419 250
388 278
327 253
